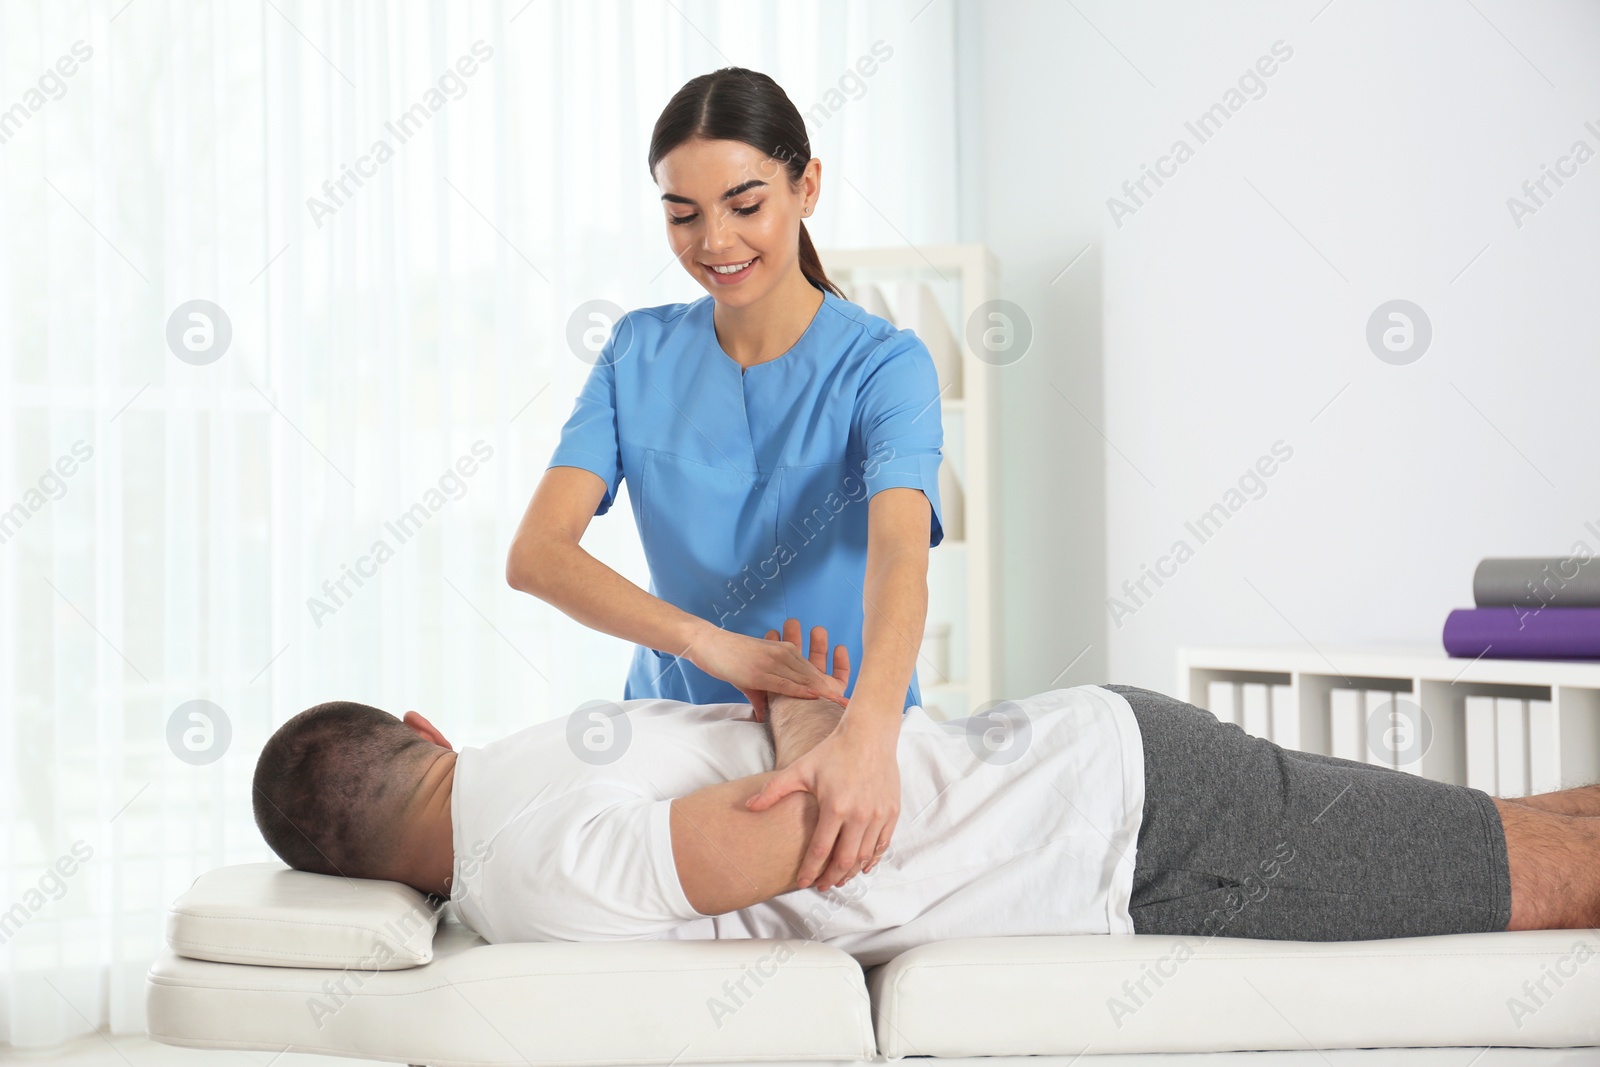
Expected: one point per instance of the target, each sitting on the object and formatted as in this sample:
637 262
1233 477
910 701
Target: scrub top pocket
708 534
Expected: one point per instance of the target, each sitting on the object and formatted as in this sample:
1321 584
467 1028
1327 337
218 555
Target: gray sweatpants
1244 838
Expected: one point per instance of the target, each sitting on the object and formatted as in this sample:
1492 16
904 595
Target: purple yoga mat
1520 633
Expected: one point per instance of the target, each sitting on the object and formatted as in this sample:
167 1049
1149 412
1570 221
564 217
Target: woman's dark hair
735 104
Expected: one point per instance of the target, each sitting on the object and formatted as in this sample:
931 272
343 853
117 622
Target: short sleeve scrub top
749 486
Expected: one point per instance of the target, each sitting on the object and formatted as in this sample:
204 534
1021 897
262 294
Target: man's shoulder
668 706
598 732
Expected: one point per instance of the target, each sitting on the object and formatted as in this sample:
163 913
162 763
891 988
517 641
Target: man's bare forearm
799 725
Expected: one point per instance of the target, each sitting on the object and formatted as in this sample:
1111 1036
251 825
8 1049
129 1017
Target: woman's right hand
759 666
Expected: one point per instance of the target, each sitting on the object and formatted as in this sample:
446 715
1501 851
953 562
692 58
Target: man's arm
799 725
729 857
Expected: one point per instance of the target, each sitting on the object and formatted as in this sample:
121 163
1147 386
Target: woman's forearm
895 610
587 590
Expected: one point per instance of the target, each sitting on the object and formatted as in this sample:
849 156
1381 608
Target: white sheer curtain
175 524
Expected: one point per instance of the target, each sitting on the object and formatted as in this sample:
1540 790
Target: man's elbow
729 857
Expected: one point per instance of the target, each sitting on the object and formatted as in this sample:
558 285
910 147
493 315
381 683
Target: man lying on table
1095 809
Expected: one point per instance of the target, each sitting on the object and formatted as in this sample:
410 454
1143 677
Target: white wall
1376 164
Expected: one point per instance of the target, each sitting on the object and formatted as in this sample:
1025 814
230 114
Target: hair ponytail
811 265
735 104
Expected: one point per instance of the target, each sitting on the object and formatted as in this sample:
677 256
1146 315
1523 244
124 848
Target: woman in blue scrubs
781 448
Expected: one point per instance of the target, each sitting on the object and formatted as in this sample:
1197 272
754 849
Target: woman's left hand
854 774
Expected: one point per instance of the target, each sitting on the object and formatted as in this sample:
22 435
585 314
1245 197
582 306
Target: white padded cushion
532 1004
267 913
1060 995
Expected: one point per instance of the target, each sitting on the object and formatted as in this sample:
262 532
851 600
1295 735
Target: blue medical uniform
750 486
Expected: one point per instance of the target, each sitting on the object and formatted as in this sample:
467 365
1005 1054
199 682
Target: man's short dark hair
326 793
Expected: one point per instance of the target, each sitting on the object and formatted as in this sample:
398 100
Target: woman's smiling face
729 204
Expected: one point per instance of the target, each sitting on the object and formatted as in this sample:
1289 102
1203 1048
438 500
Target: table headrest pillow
270 914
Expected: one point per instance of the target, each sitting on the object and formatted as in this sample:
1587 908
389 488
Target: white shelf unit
963 572
1508 727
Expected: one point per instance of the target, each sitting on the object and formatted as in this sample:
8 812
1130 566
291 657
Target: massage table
262 957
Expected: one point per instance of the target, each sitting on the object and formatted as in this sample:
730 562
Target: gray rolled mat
1545 581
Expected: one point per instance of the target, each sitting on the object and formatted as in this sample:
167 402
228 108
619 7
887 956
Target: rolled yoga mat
1518 633
1565 582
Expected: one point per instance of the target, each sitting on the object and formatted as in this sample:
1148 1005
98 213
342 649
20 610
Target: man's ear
415 721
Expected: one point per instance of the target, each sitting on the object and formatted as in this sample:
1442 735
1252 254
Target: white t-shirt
1023 821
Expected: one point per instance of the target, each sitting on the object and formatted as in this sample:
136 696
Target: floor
139 1051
